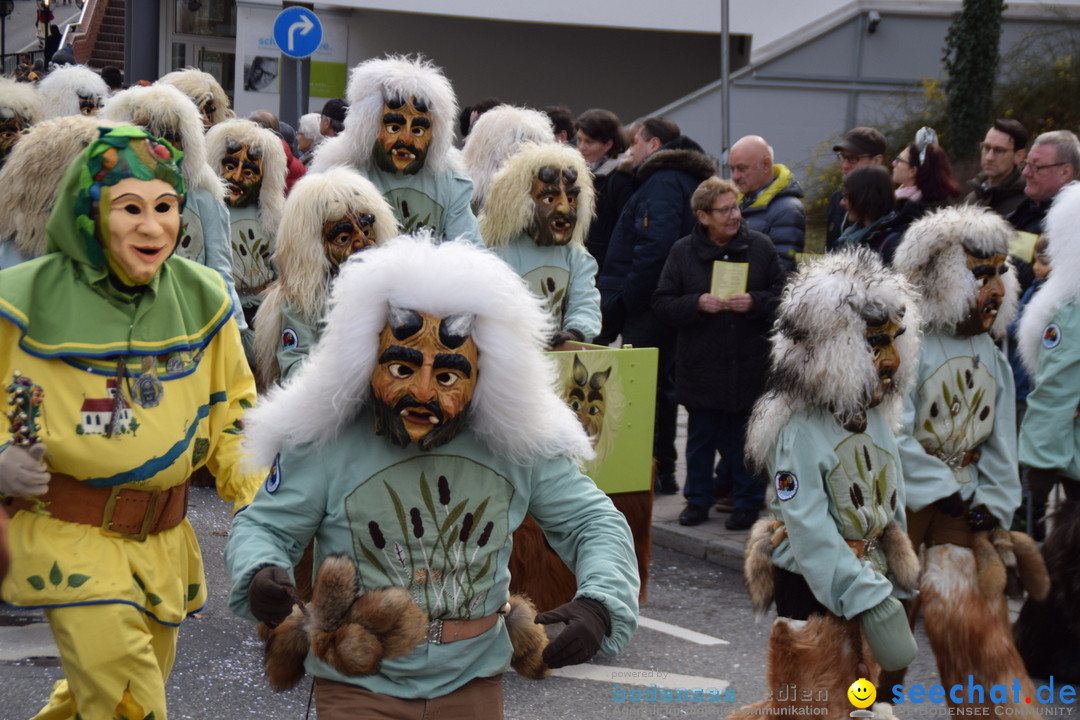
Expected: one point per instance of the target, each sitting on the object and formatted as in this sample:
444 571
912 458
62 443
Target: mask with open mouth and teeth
242 168
403 140
555 192
425 377
988 271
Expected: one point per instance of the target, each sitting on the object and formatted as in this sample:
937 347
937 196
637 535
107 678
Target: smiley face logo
862 693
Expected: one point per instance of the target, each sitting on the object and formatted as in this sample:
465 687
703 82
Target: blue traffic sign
297 32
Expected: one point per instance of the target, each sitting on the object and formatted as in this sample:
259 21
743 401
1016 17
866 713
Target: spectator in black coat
722 347
668 166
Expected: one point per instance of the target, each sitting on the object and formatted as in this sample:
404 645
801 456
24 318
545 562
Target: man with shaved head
770 196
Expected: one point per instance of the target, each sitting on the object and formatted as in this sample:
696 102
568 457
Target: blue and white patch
1051 336
289 340
273 480
786 485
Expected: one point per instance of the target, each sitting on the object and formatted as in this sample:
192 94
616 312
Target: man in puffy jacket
668 168
770 200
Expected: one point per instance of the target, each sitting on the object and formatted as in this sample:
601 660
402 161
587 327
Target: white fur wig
33 171
20 98
61 89
163 109
820 357
510 207
304 271
373 82
515 410
496 136
272 194
200 87
932 257
1062 227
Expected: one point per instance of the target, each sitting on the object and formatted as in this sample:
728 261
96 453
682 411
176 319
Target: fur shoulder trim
696 164
32 174
496 136
1063 232
60 89
268 335
509 209
515 410
272 195
201 87
165 111
21 99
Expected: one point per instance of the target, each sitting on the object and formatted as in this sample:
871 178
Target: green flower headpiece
120 153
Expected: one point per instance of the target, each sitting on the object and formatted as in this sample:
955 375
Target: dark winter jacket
884 234
613 189
1028 217
721 359
655 216
836 220
777 211
1003 198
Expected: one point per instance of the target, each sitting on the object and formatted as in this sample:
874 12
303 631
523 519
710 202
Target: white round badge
786 485
1051 336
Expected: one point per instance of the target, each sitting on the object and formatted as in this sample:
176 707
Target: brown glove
271 595
586 623
565 336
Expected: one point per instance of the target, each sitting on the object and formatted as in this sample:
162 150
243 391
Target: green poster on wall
327 79
613 393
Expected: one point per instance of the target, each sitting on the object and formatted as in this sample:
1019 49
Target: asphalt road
218 671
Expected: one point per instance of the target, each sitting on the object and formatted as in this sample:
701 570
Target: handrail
84 33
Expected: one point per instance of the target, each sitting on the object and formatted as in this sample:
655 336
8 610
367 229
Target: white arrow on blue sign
297 32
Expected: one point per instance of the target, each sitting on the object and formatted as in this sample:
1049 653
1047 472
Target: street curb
726 552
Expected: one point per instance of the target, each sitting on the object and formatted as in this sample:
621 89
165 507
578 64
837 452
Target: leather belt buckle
148 513
434 632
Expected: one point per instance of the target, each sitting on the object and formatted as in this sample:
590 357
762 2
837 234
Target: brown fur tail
527 638
286 648
900 556
758 566
1034 575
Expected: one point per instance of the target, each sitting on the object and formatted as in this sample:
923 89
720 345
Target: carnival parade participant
844 350
252 162
327 217
399 134
167 113
958 441
494 137
428 361
536 218
1047 633
72 90
30 178
19 109
205 91
139 381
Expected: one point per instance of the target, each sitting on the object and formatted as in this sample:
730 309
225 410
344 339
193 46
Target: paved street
218 672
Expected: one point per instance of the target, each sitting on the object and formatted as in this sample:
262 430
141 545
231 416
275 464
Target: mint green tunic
963 400
832 485
438 523
1050 433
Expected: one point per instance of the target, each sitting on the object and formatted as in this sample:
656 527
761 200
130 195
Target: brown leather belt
131 514
446 631
959 460
862 546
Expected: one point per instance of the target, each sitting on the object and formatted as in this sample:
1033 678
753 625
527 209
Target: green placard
327 79
613 393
